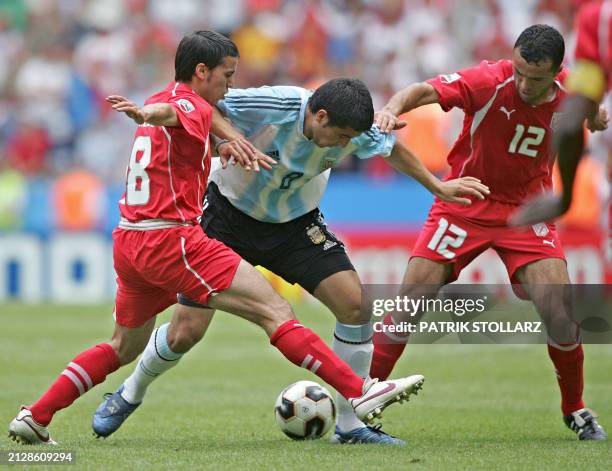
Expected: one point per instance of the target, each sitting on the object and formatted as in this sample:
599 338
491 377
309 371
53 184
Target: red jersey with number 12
169 166
504 142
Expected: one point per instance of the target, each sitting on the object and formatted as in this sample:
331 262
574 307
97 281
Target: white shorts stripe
83 374
315 366
77 382
195 273
306 361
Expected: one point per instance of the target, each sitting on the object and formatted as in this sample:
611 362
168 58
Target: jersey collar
306 94
176 87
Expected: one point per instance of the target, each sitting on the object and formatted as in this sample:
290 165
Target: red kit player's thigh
137 299
520 246
135 305
447 238
202 266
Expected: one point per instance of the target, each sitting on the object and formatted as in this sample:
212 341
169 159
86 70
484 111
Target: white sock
155 360
353 344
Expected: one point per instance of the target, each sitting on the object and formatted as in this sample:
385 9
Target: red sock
387 350
302 347
568 366
83 373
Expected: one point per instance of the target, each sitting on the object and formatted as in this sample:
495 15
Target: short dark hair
540 42
206 47
347 101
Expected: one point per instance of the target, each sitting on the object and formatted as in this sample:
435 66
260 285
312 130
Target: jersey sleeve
468 89
195 116
263 105
589 77
373 142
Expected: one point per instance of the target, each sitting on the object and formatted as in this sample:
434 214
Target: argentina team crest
315 234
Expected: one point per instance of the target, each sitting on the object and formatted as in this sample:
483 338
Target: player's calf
251 297
128 342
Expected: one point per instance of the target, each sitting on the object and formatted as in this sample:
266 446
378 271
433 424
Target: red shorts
450 237
153 266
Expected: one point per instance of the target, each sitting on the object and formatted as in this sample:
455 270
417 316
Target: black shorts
301 251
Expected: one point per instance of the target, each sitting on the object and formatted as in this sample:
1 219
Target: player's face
533 82
217 82
325 135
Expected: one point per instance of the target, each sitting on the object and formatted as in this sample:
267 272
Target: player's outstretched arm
452 191
157 114
409 98
569 141
234 144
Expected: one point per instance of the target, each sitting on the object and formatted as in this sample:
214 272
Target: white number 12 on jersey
137 193
534 137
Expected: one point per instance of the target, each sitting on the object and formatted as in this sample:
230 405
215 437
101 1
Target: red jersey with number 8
169 166
504 142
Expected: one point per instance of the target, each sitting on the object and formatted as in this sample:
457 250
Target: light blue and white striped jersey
273 120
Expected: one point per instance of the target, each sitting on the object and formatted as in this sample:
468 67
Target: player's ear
321 117
201 70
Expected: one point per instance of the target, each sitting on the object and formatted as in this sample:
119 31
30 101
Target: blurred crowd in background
60 58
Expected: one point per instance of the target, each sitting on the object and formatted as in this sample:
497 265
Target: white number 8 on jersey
137 191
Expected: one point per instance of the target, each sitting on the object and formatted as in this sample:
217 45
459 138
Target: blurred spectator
13 196
588 208
78 200
59 58
427 135
27 148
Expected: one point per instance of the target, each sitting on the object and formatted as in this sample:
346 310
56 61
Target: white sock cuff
353 334
161 344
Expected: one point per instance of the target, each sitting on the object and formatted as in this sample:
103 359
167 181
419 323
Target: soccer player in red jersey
161 250
510 111
587 84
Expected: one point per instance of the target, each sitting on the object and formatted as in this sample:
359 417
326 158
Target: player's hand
123 105
387 121
245 154
600 121
542 209
454 191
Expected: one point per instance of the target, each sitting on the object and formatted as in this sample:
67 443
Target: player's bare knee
125 352
352 314
184 338
129 342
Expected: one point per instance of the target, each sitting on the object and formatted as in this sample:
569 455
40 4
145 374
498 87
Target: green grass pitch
483 407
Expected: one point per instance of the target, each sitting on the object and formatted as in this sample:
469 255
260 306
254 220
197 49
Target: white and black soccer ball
305 410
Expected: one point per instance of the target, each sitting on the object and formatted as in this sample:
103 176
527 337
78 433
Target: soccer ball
305 410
